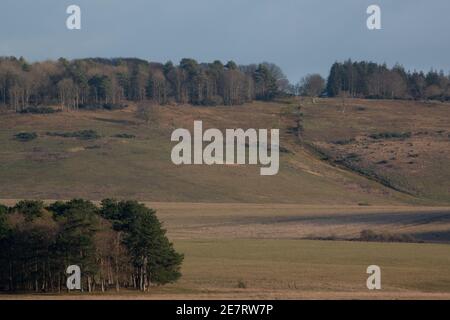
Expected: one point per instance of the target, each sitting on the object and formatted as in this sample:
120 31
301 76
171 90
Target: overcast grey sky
302 36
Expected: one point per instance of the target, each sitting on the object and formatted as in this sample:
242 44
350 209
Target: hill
127 157
403 144
235 226
124 156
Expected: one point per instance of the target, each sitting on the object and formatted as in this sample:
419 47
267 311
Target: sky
301 36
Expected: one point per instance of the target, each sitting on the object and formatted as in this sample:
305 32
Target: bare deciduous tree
149 113
312 85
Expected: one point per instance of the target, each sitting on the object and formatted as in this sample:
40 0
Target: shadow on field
434 236
402 218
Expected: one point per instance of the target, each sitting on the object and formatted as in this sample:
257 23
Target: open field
298 269
230 221
263 247
237 228
290 221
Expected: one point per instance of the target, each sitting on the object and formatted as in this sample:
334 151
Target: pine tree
152 255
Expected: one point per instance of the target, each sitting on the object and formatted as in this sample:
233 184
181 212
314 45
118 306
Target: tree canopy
75 83
370 80
120 244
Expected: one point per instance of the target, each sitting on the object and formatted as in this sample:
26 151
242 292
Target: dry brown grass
417 164
297 269
140 168
247 227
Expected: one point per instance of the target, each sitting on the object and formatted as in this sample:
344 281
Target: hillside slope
55 166
403 144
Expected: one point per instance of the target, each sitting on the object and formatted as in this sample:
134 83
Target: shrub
350 157
368 235
213 101
285 150
93 147
343 142
90 106
3 209
82 134
241 284
25 136
39 110
31 209
149 113
3 221
102 106
372 236
125 136
114 106
390 135
86 134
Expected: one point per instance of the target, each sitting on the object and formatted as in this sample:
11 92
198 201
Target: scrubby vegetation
118 245
390 135
124 136
38 110
344 141
348 158
241 284
82 134
372 236
25 136
102 106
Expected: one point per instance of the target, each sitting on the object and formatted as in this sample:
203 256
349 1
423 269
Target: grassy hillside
361 165
60 165
404 144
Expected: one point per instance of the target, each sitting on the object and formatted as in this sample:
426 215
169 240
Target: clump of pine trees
371 80
89 83
120 244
